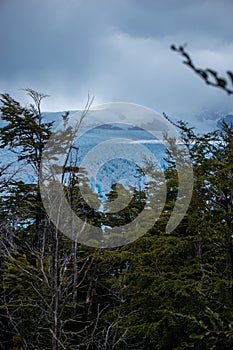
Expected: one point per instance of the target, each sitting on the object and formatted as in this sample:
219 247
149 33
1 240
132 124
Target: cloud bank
118 51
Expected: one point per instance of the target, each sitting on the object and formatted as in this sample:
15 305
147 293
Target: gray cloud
117 50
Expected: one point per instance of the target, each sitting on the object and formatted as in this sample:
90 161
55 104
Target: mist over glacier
126 135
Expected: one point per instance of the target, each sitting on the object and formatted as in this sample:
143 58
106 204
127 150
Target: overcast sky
118 50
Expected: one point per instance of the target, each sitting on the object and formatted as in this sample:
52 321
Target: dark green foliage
162 291
25 133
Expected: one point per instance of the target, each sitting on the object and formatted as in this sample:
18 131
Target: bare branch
210 76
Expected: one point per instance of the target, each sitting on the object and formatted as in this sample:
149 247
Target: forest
162 291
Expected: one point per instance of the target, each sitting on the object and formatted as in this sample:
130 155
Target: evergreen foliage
162 291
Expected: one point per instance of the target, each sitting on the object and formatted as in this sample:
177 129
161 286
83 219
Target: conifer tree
24 134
